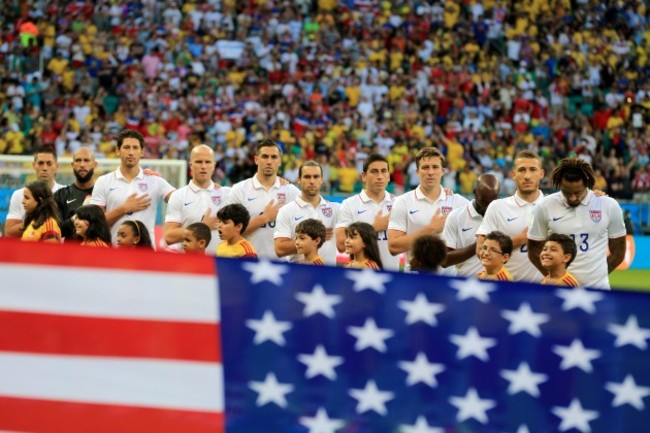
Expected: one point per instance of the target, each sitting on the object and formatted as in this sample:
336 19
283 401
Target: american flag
338 350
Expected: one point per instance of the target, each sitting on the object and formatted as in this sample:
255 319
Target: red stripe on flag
75 335
131 259
46 416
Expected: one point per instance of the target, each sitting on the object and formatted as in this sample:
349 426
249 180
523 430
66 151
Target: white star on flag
576 355
321 423
421 310
628 392
368 279
271 391
630 333
371 398
523 429
421 370
472 344
524 380
473 288
317 301
525 320
320 363
579 298
264 270
370 336
421 426
575 416
269 329
472 406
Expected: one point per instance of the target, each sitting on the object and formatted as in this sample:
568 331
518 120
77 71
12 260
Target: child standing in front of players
558 253
361 245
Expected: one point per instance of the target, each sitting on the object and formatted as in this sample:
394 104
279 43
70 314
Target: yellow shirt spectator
353 92
467 179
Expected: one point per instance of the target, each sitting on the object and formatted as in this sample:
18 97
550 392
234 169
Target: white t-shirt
188 204
16 209
460 232
299 210
361 208
112 189
413 211
511 216
592 223
254 197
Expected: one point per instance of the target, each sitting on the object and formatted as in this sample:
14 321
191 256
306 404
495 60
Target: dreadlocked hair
573 170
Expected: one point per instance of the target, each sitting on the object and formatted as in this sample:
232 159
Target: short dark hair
527 154
130 133
504 241
200 231
266 142
373 157
573 170
567 244
44 149
310 164
427 253
313 228
237 213
429 152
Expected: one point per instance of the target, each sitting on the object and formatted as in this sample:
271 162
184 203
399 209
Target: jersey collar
364 196
119 175
420 195
303 203
195 188
521 202
258 185
585 201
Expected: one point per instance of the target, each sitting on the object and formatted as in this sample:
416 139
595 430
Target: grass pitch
635 279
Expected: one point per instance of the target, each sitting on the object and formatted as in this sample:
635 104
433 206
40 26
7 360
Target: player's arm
284 247
617 248
13 228
340 239
400 242
173 232
479 243
14 221
534 250
270 213
456 256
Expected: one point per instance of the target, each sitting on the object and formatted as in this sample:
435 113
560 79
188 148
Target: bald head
487 190
202 165
83 166
201 148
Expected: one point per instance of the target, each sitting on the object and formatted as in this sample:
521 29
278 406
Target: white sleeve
16 209
99 192
489 223
538 227
450 232
235 195
616 227
164 187
283 223
344 217
398 219
174 208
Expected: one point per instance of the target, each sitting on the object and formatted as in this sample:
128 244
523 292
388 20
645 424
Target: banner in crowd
105 341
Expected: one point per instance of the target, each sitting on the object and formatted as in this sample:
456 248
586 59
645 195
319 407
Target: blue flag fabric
324 350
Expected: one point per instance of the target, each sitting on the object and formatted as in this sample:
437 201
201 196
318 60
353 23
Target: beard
86 178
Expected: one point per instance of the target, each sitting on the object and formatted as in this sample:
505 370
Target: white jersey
460 232
511 216
254 197
112 189
361 208
413 211
592 223
188 205
299 210
16 209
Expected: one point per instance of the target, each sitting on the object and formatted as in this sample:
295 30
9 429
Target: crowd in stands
334 81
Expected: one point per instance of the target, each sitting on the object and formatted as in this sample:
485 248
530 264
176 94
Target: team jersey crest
389 207
595 215
216 200
143 187
327 212
446 210
282 196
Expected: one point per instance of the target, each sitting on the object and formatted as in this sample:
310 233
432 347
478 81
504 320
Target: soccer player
425 209
233 219
310 204
198 201
45 165
310 236
511 215
594 223
77 194
196 238
558 253
461 226
263 195
495 253
372 206
127 192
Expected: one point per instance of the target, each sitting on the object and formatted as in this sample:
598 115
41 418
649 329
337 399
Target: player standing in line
594 222
511 215
263 195
198 201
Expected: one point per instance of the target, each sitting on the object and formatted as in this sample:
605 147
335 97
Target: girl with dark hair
361 245
90 224
41 214
133 233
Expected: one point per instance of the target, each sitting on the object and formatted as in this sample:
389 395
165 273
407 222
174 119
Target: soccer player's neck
430 192
129 173
266 181
529 196
376 196
202 184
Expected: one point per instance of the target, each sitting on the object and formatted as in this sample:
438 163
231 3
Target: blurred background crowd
336 80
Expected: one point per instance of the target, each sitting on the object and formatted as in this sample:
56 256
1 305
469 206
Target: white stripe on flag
145 383
109 293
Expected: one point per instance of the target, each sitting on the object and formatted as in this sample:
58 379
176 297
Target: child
495 252
310 236
196 238
132 234
558 253
361 245
90 225
427 253
233 220
41 214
